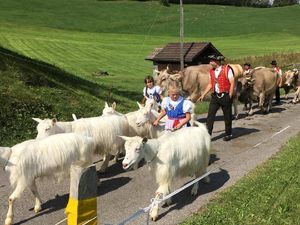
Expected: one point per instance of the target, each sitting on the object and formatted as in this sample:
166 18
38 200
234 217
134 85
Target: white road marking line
280 131
258 144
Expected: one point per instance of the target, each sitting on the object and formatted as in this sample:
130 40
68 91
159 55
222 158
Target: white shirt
279 71
151 91
217 73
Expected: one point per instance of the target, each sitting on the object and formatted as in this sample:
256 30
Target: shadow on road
277 109
112 170
58 203
274 109
213 158
241 131
184 198
112 184
244 113
107 183
202 120
237 132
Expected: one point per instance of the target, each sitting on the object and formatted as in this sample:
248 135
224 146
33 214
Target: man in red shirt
222 86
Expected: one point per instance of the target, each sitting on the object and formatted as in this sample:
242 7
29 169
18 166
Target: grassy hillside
77 38
32 88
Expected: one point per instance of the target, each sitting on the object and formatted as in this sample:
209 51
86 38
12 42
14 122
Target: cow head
162 78
244 87
291 77
176 77
166 76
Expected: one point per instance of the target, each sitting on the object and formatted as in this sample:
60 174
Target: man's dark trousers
217 101
277 95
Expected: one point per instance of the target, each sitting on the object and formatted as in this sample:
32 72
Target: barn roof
192 50
153 53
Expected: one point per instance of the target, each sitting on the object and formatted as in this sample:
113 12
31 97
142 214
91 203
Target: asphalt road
122 193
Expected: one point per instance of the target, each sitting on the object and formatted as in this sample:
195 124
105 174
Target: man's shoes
277 103
227 138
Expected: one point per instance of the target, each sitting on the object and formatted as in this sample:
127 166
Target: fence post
82 205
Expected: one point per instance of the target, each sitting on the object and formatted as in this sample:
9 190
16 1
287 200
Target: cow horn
245 73
176 77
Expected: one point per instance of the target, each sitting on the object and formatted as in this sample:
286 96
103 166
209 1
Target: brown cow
284 83
292 80
260 84
194 80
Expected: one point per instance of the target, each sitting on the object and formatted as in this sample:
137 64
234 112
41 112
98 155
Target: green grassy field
83 37
131 17
268 195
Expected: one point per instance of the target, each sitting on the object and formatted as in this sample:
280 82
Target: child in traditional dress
152 91
176 108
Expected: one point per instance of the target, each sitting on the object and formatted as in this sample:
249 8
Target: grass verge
269 195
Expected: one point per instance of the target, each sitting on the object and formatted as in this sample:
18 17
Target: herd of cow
257 85
59 144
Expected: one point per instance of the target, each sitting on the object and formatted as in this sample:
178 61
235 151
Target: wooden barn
195 53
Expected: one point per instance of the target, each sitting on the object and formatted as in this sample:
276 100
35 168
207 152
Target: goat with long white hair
177 154
32 159
139 121
103 129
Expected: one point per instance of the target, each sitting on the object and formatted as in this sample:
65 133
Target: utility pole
181 36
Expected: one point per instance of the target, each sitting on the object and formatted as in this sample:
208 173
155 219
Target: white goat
134 128
177 154
51 156
103 129
110 110
140 121
151 101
